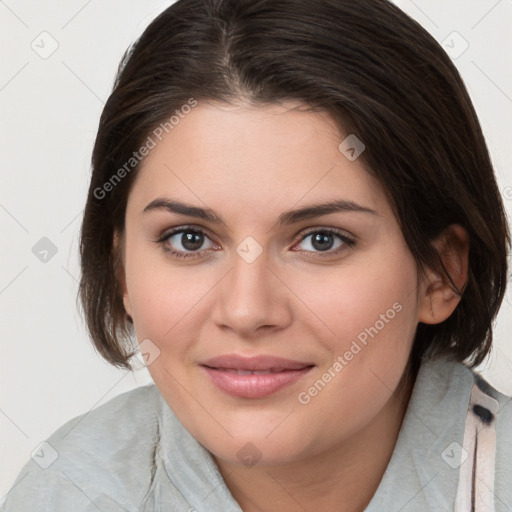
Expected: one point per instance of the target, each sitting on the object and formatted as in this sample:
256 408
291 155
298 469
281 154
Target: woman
293 210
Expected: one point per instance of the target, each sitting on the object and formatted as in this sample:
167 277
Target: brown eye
192 241
184 242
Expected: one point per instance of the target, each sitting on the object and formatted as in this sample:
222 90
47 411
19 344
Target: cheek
374 317
387 313
375 297
371 313
161 298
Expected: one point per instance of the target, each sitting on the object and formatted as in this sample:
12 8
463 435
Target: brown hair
376 71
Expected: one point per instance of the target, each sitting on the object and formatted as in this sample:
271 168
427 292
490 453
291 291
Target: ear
438 299
118 246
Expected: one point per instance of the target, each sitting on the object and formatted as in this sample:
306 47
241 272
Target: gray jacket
454 452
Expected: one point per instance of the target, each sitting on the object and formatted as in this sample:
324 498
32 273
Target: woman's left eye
324 240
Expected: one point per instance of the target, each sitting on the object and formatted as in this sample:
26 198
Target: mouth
253 377
249 372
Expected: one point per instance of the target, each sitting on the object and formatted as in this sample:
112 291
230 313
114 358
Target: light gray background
50 106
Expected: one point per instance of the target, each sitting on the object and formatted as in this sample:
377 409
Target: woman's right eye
187 242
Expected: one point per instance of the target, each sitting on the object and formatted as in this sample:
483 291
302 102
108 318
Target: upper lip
255 363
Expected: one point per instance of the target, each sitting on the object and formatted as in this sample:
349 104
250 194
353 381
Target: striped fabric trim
475 492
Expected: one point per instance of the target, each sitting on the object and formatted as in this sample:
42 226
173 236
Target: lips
249 372
253 377
254 364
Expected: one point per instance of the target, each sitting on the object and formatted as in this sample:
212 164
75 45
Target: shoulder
486 459
441 441
105 455
470 389
109 426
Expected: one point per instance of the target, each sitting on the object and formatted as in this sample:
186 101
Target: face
272 281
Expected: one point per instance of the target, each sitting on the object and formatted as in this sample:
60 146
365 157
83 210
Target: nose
252 300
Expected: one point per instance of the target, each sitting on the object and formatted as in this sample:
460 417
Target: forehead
253 158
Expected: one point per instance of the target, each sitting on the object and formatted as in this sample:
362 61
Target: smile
255 377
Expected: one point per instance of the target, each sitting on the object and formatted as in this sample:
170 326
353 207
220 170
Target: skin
249 165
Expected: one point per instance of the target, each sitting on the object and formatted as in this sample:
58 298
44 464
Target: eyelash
347 241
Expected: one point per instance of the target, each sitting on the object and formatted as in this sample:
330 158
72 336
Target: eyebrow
288 217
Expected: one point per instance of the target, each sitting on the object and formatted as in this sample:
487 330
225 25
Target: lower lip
254 386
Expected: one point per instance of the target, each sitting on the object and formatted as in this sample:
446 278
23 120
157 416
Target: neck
344 479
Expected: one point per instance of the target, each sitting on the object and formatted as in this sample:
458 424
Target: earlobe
438 297
127 307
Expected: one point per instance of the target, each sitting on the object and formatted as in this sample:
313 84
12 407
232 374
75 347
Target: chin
249 453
